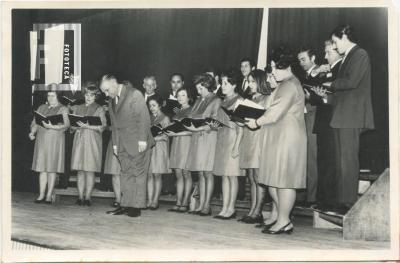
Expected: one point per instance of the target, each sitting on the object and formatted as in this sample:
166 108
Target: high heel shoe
263 225
39 201
183 209
282 230
232 216
205 214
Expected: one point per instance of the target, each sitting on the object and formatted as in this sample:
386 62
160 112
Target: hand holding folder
245 109
90 120
52 119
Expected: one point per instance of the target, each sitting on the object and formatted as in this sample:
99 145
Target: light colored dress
49 151
87 144
202 149
283 140
180 146
225 164
159 163
249 151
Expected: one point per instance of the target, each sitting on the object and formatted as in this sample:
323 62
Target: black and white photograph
189 131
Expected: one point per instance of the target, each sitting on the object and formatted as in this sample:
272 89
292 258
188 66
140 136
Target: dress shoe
265 226
115 204
282 230
79 202
39 201
87 202
233 215
174 209
205 214
118 211
183 209
195 212
133 212
218 217
153 207
253 220
243 218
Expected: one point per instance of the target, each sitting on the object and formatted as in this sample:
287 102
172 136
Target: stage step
369 218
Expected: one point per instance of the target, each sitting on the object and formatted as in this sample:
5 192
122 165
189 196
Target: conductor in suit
352 112
132 141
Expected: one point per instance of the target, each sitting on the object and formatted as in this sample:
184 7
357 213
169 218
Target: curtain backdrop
131 43
296 27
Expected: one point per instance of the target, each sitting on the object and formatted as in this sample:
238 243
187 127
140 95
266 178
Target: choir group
201 135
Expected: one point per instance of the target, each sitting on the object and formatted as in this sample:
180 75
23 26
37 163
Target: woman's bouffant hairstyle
91 87
261 79
283 57
53 87
157 98
233 77
205 80
189 94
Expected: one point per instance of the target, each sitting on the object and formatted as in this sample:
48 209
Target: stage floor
68 226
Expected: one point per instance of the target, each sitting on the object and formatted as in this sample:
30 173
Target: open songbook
156 130
245 109
91 120
53 119
179 125
68 101
170 105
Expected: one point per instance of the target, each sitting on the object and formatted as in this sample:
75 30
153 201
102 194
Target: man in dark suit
247 65
352 112
132 141
216 75
309 78
326 187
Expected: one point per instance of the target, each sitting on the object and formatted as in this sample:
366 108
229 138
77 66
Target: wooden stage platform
65 225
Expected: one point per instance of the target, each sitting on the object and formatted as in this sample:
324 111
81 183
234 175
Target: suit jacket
130 120
352 106
324 112
243 91
311 81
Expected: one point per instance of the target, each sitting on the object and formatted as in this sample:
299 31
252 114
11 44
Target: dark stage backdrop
132 43
296 27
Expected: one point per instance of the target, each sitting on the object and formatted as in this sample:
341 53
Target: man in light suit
132 141
352 112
